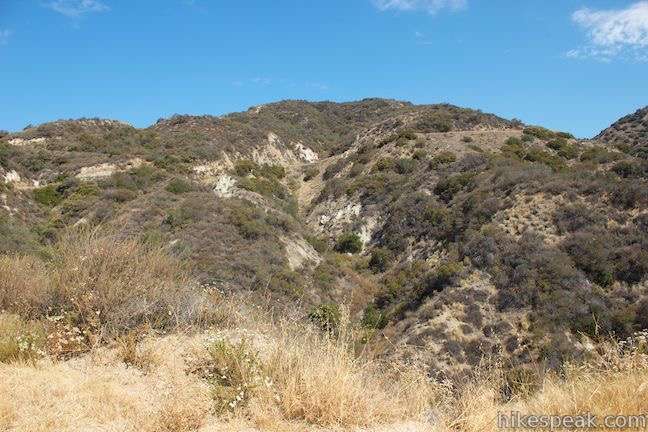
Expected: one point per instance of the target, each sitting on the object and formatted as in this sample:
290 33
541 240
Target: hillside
630 132
444 237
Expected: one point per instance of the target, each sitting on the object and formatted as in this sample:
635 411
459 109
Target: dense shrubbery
434 123
326 316
179 186
349 243
48 195
380 259
442 158
599 155
449 186
310 173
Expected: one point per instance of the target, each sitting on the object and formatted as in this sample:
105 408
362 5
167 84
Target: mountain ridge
452 233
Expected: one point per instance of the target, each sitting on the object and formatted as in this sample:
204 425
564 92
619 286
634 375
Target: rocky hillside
629 132
450 235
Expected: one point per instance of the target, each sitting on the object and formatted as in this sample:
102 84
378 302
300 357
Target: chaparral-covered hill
450 235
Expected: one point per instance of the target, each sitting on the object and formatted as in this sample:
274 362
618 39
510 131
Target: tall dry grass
100 281
613 382
319 380
295 377
316 387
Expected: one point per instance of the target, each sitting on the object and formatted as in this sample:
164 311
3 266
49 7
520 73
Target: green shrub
332 170
136 179
627 169
565 135
449 186
349 243
249 220
326 316
380 259
561 146
435 122
539 132
244 167
318 243
407 135
271 171
514 148
81 199
310 173
234 373
374 318
590 253
513 142
541 156
569 151
269 188
419 154
557 144
600 155
287 282
179 186
445 274
527 138
48 195
405 165
442 158
467 139
384 164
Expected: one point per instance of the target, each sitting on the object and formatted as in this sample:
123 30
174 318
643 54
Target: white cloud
4 36
77 8
613 33
431 6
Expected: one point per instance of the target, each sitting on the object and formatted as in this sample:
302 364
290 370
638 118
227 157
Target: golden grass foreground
165 355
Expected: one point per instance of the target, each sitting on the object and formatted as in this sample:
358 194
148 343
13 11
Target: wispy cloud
4 36
77 8
613 33
430 6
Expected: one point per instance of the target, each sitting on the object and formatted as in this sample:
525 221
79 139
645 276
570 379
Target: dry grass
20 340
317 384
98 282
96 392
320 381
283 374
614 383
23 284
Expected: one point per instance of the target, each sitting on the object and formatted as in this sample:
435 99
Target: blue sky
572 65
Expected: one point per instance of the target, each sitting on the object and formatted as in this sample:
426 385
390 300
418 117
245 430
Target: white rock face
224 186
346 214
12 177
273 154
367 230
210 171
306 153
22 142
273 138
298 251
97 171
107 169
